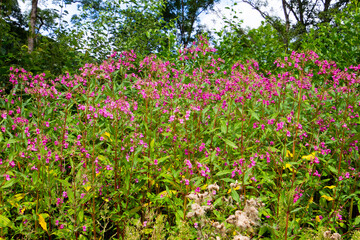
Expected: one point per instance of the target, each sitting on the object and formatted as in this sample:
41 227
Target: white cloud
214 20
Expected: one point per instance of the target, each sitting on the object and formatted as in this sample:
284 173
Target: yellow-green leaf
87 188
310 156
4 221
330 187
42 222
229 191
16 198
327 198
289 166
165 193
107 136
289 154
148 230
102 158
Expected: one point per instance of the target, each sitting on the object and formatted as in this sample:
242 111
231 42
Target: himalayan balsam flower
172 118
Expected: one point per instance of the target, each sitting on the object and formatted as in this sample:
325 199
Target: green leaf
297 209
4 221
230 143
9 183
134 210
235 196
223 126
254 114
65 183
81 215
224 172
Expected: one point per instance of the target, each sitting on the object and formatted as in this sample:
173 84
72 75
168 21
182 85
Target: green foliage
125 25
338 40
53 54
186 13
238 44
192 148
262 43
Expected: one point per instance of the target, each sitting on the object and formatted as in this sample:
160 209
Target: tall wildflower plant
193 147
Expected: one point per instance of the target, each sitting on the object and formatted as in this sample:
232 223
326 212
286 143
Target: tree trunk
287 25
33 16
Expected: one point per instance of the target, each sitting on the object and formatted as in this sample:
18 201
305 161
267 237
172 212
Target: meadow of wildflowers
191 147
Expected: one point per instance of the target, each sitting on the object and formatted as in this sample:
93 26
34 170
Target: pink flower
271 121
172 118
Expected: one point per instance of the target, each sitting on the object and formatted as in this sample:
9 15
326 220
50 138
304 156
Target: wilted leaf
327 198
42 222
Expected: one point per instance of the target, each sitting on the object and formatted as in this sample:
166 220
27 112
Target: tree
339 39
186 14
307 13
124 25
33 16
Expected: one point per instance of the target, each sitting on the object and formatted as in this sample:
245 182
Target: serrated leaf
230 143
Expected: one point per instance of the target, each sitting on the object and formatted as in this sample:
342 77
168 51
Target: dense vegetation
236 137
